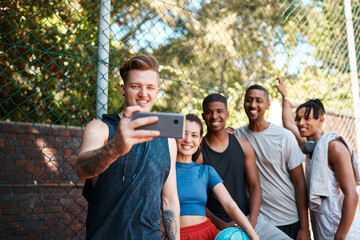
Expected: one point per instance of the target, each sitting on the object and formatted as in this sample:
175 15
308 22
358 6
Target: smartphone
170 125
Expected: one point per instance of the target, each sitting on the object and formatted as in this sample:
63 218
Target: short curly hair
215 97
257 87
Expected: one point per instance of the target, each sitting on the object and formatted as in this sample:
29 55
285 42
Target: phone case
170 125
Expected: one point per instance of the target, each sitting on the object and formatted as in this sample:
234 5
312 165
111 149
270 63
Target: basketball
232 233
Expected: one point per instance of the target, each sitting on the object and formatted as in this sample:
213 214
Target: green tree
49 58
224 47
49 51
321 29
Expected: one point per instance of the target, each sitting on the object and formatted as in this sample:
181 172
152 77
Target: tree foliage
49 58
49 53
321 30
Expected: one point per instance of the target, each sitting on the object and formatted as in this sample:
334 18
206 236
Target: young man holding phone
130 172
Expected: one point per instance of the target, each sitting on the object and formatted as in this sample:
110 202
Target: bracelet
284 98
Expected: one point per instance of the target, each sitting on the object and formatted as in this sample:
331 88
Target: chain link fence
49 72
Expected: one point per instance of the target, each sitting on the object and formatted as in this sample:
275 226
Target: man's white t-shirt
277 152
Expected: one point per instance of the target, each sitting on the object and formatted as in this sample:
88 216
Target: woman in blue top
193 182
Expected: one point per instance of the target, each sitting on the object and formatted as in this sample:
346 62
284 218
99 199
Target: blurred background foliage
49 53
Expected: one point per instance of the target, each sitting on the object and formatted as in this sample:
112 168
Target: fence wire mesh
49 62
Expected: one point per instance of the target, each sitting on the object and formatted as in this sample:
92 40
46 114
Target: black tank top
126 200
231 167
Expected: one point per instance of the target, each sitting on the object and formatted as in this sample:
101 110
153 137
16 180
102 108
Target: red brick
66 152
75 208
10 149
41 229
58 209
50 217
76 227
24 192
29 138
13 203
32 142
58 227
22 126
13 211
31 237
5 191
38 210
11 135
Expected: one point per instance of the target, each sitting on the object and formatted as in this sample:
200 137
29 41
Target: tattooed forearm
169 222
96 163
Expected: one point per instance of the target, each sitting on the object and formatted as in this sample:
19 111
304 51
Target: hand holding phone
170 125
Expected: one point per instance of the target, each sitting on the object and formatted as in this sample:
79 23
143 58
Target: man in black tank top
130 174
234 159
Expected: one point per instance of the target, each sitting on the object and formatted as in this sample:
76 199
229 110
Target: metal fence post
103 59
353 71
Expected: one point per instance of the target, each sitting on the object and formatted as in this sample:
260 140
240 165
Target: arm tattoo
169 223
95 164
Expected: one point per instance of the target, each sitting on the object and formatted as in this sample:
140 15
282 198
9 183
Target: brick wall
343 125
40 192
